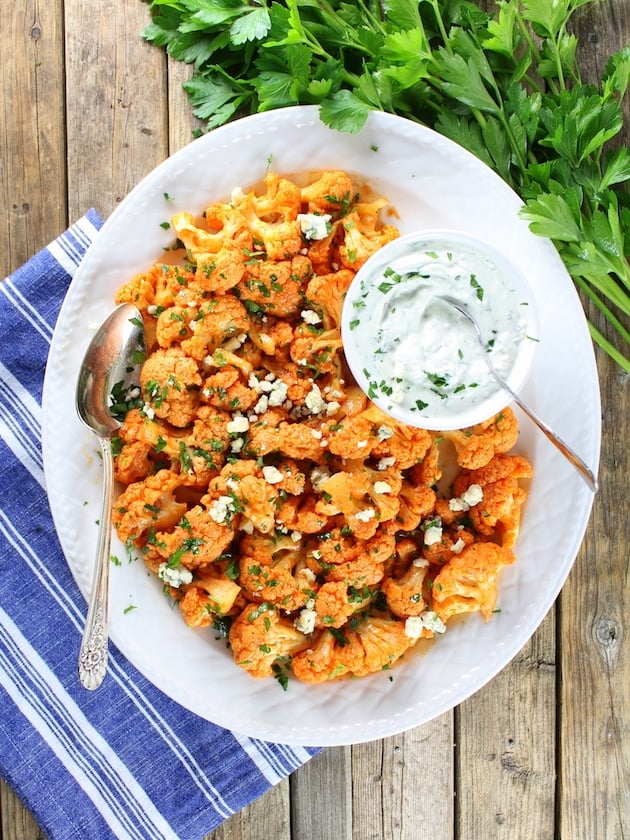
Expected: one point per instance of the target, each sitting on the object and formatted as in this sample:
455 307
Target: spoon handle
93 652
571 456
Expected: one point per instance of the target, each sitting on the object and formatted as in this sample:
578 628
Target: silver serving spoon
109 365
585 471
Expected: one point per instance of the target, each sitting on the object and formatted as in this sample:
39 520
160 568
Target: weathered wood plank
506 748
32 168
116 115
267 817
16 821
321 796
182 125
594 732
403 786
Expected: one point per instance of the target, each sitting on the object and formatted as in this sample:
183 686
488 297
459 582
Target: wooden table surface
543 751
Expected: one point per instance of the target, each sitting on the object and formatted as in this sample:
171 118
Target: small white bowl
416 357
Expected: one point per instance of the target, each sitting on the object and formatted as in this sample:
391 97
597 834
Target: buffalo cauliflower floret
332 193
133 462
468 582
476 445
404 594
296 440
335 602
315 351
364 496
170 383
148 505
377 643
359 244
259 637
408 445
228 391
217 321
340 556
276 287
217 246
281 199
328 291
241 488
209 596
271 570
499 511
198 539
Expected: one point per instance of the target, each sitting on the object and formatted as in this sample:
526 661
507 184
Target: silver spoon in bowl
109 365
584 470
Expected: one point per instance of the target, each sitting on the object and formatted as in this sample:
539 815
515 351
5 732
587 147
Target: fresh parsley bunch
506 86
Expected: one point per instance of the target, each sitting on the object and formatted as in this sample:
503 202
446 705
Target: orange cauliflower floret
276 287
217 321
241 488
197 540
282 199
476 445
499 511
218 253
206 598
406 444
271 570
404 594
359 244
332 193
335 602
156 289
364 496
173 325
133 462
328 292
259 637
296 440
147 505
416 501
376 644
171 383
299 513
359 563
316 351
280 239
468 582
227 390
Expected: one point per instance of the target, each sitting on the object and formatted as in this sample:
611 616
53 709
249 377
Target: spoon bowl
108 374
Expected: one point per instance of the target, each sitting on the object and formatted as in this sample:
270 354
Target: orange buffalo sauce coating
262 487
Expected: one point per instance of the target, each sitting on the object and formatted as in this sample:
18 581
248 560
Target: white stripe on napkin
140 700
264 758
36 691
20 423
19 302
63 250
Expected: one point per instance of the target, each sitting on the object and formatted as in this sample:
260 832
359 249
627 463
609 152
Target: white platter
432 183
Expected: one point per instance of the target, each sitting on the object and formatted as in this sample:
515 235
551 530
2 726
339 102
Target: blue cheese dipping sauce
413 354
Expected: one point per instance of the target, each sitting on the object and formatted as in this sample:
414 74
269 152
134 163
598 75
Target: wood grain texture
32 144
506 748
594 606
117 109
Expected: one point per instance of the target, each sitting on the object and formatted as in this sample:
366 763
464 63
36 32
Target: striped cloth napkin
124 761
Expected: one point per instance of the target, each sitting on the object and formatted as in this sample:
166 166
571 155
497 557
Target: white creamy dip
416 356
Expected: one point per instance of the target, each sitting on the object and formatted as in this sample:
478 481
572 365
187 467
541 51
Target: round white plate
433 183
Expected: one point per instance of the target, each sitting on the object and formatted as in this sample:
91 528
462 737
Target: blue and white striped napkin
124 761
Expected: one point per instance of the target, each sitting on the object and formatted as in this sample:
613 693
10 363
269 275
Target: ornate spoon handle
93 652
